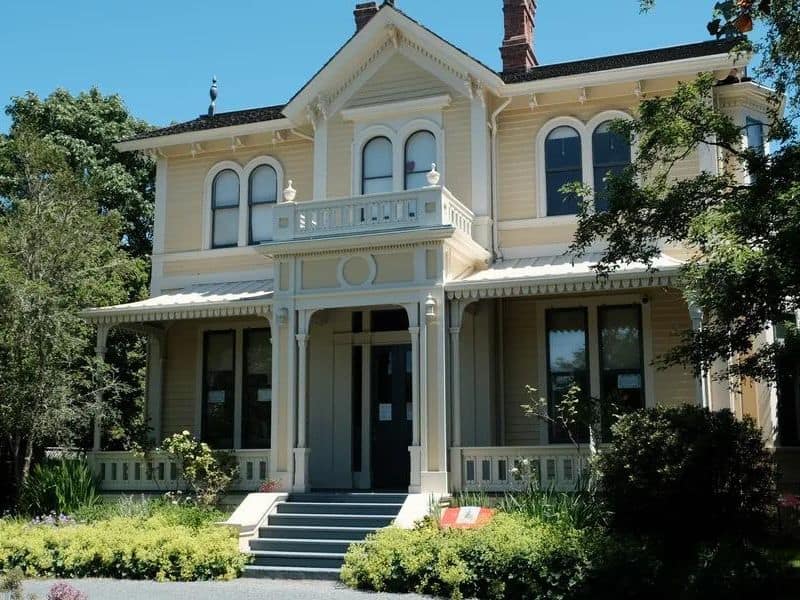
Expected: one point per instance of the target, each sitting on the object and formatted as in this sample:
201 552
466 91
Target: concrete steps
306 536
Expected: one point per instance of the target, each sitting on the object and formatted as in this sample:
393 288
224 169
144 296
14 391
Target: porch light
289 193
433 175
430 309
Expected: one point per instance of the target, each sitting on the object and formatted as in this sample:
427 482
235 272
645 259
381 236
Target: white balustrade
489 468
426 207
124 471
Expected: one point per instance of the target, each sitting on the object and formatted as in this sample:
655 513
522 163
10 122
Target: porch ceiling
193 302
559 274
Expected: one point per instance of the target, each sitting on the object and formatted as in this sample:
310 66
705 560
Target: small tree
205 472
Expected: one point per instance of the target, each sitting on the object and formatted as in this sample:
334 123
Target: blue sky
159 55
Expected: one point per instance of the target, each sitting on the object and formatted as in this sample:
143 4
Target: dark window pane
376 166
419 156
357 406
621 369
755 134
257 389
562 151
225 209
390 320
611 154
218 388
567 364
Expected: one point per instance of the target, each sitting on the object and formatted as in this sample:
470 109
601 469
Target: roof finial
213 94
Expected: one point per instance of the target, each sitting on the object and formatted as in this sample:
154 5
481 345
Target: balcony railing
126 472
426 207
490 468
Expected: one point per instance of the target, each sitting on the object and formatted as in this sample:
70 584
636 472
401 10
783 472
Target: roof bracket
637 89
533 101
236 142
582 97
196 149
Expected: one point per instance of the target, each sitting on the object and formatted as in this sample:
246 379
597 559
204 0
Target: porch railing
126 472
425 207
490 468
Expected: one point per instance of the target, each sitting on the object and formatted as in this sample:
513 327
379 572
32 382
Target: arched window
611 154
376 166
562 156
262 195
225 209
420 154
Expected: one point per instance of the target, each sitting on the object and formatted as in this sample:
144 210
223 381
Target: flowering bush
268 486
200 467
64 591
53 519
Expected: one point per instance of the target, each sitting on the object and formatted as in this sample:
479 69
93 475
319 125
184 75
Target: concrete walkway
245 589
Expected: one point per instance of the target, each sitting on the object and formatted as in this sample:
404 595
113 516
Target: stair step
316 560
349 497
316 533
290 572
300 545
330 520
341 508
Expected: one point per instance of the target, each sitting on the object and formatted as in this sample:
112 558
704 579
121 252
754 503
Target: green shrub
687 474
578 510
128 548
61 487
188 515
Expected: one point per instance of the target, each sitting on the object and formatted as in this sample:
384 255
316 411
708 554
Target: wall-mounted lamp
283 316
430 309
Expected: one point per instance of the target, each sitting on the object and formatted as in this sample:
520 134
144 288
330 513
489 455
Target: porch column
155 383
434 400
701 381
301 452
100 352
455 370
415 450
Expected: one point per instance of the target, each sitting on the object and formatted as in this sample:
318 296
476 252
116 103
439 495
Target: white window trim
591 305
398 134
244 205
244 184
585 131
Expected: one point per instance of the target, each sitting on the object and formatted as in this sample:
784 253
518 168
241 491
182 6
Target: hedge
123 548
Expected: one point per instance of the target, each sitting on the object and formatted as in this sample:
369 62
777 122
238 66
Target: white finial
433 175
289 193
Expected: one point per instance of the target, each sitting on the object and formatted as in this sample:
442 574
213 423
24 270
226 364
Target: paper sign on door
384 412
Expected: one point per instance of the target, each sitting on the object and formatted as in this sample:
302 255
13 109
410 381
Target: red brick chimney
364 12
517 48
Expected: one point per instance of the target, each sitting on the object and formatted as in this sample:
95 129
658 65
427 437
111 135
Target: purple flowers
64 591
53 519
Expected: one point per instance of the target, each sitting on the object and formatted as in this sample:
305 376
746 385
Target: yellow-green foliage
511 557
125 548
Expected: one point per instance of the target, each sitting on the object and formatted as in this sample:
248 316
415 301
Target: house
353 290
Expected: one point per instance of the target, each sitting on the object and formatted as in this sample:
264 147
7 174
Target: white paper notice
630 381
216 396
468 515
264 394
384 412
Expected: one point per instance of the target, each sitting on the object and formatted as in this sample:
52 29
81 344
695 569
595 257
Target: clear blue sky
159 55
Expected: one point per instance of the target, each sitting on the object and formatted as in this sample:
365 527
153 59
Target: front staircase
306 536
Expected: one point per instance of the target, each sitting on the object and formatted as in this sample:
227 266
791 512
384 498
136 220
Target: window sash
219 389
257 388
562 166
377 165
227 239
419 155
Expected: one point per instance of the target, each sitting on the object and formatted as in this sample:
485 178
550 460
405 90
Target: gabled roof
621 61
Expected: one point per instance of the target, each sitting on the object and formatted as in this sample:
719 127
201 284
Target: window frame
585 130
426 169
204 390
607 166
247 172
549 170
391 177
215 209
246 334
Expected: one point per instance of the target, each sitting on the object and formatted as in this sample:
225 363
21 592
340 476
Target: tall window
567 363
257 389
562 155
225 209
376 166
262 195
621 370
420 154
611 154
218 388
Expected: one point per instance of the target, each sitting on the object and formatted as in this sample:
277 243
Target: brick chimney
517 48
363 13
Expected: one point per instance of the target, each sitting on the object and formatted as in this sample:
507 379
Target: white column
274 340
423 394
454 452
301 452
100 352
479 148
320 158
155 384
701 381
415 450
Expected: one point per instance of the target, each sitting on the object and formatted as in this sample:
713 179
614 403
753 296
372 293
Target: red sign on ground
466 517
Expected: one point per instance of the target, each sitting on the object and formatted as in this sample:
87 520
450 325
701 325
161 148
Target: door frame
363 479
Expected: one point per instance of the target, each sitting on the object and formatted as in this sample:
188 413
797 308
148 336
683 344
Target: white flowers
186 432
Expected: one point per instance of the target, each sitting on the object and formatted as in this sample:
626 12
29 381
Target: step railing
426 207
491 469
122 471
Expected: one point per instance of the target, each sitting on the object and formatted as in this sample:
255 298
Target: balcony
426 208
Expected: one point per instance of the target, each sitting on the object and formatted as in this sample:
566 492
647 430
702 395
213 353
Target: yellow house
353 290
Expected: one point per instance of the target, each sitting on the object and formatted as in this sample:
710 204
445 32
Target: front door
391 416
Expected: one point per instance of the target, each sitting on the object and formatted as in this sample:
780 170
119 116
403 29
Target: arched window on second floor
225 209
262 196
420 154
611 153
562 156
377 174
